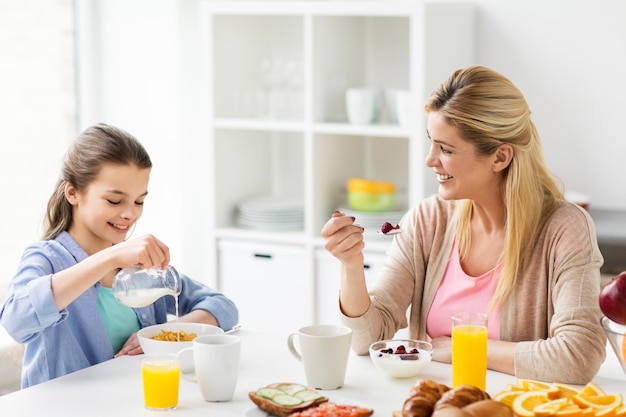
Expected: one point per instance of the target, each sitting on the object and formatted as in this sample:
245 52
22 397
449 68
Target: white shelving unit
266 94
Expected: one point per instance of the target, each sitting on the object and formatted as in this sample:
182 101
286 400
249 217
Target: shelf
269 85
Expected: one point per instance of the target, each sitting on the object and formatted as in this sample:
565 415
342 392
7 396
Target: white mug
216 364
404 110
361 105
324 351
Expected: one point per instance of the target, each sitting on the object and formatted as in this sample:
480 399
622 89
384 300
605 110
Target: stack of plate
274 214
373 221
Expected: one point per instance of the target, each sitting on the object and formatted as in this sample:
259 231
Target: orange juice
160 382
469 355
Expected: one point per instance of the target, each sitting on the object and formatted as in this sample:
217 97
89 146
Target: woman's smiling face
461 172
104 213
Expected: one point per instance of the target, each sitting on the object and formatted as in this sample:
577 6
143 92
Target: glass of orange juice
161 376
469 349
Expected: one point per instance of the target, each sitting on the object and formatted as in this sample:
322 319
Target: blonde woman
499 238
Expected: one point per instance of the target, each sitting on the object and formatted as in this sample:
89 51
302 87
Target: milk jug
139 287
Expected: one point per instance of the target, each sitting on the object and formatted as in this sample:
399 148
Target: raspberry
387 227
400 350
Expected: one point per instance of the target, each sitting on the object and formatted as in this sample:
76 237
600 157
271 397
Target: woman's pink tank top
459 292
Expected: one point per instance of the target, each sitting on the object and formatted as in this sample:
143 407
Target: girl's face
461 172
107 209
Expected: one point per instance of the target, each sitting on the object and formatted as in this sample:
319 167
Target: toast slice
284 399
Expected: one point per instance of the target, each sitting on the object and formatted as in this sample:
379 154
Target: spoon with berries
389 229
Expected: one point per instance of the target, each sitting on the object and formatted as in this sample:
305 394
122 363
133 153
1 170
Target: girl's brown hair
489 111
97 145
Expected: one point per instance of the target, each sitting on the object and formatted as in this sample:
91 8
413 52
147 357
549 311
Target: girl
60 303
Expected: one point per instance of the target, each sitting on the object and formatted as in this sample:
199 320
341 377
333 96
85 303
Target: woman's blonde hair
488 110
97 145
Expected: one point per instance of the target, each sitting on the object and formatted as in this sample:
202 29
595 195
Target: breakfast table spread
114 387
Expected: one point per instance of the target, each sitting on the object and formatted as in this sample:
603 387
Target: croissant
482 408
423 397
461 396
488 408
428 385
447 410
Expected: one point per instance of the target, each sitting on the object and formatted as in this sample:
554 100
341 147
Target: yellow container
161 376
469 349
371 195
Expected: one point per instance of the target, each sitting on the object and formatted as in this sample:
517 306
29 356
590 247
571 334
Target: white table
114 389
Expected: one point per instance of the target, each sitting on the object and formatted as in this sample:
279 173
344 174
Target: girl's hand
131 347
146 251
344 239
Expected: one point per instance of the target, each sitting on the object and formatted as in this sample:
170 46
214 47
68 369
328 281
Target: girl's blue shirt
61 342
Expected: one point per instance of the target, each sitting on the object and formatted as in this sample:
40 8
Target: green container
371 202
371 195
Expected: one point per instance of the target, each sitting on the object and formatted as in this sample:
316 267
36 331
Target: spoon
391 232
235 328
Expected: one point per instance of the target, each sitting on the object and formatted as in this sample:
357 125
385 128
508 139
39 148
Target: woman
499 238
60 303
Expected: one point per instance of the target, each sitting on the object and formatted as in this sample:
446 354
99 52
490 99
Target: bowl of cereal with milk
172 337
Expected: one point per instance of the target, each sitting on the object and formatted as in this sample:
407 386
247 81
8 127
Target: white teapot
139 287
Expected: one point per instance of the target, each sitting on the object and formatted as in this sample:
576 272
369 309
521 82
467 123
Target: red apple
613 299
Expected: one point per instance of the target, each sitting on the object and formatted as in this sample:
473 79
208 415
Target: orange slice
550 408
620 411
523 384
572 410
598 401
532 385
554 392
607 412
507 397
526 402
566 390
591 389
587 412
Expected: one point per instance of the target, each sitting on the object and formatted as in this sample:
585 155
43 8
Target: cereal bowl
615 333
151 346
401 358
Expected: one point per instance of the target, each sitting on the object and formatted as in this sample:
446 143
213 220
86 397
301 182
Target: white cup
391 106
324 350
361 105
404 108
216 364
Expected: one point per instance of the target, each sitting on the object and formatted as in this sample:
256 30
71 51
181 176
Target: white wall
567 56
36 116
569 59
128 77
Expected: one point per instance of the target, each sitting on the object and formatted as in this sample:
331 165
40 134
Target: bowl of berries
401 358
